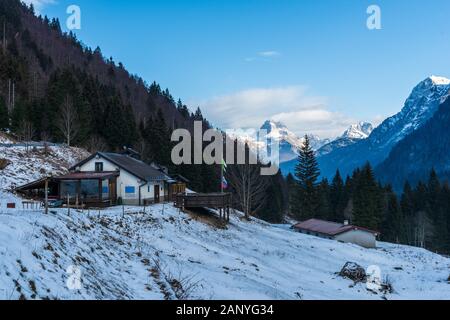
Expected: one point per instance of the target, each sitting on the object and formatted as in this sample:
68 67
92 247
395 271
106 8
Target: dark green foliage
276 205
157 138
393 221
338 199
306 172
367 199
4 118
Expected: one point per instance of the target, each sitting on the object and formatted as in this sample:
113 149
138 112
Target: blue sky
312 64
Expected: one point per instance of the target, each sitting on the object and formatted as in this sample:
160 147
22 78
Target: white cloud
292 105
39 4
268 54
264 56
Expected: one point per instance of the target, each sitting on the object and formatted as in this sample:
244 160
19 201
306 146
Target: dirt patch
207 217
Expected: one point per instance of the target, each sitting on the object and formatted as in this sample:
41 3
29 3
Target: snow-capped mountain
413 158
290 143
352 135
420 106
358 131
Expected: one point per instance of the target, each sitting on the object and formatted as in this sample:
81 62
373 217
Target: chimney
346 223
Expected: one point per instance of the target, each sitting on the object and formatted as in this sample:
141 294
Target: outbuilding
343 232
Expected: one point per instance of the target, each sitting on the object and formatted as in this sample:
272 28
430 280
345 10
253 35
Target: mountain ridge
419 107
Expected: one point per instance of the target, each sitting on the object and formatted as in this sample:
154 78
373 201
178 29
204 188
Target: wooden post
68 205
46 196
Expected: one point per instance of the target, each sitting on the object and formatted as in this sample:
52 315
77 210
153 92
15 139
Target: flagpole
221 177
221 170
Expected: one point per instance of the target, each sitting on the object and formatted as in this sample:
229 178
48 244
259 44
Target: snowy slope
161 253
27 166
146 256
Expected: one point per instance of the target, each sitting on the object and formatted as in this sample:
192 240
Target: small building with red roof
343 232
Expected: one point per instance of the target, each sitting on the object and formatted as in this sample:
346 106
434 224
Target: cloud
292 105
269 54
264 56
39 4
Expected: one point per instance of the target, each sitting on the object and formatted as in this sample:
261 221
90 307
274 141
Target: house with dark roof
106 179
339 232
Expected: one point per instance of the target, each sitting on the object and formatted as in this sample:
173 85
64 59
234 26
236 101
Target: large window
69 189
89 189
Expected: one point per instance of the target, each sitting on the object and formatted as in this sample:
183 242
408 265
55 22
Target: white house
135 182
339 232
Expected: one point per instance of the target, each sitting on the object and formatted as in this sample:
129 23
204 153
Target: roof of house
329 228
88 175
136 167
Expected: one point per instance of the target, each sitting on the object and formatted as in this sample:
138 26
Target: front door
112 191
157 194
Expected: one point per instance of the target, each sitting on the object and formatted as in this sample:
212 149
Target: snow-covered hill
164 254
160 253
31 163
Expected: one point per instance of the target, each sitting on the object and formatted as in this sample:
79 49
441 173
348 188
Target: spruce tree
338 198
292 189
324 208
367 200
407 208
307 172
393 228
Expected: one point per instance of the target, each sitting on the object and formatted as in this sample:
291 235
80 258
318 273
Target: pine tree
292 190
367 200
407 209
338 198
393 225
324 209
307 172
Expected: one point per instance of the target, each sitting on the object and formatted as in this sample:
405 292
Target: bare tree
45 138
96 144
68 122
250 187
27 133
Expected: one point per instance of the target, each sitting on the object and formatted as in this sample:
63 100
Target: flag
224 166
224 183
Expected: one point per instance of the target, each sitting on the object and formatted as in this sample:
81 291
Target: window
130 190
98 166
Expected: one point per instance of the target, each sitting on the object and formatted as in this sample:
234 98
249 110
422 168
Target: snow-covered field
154 254
165 254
